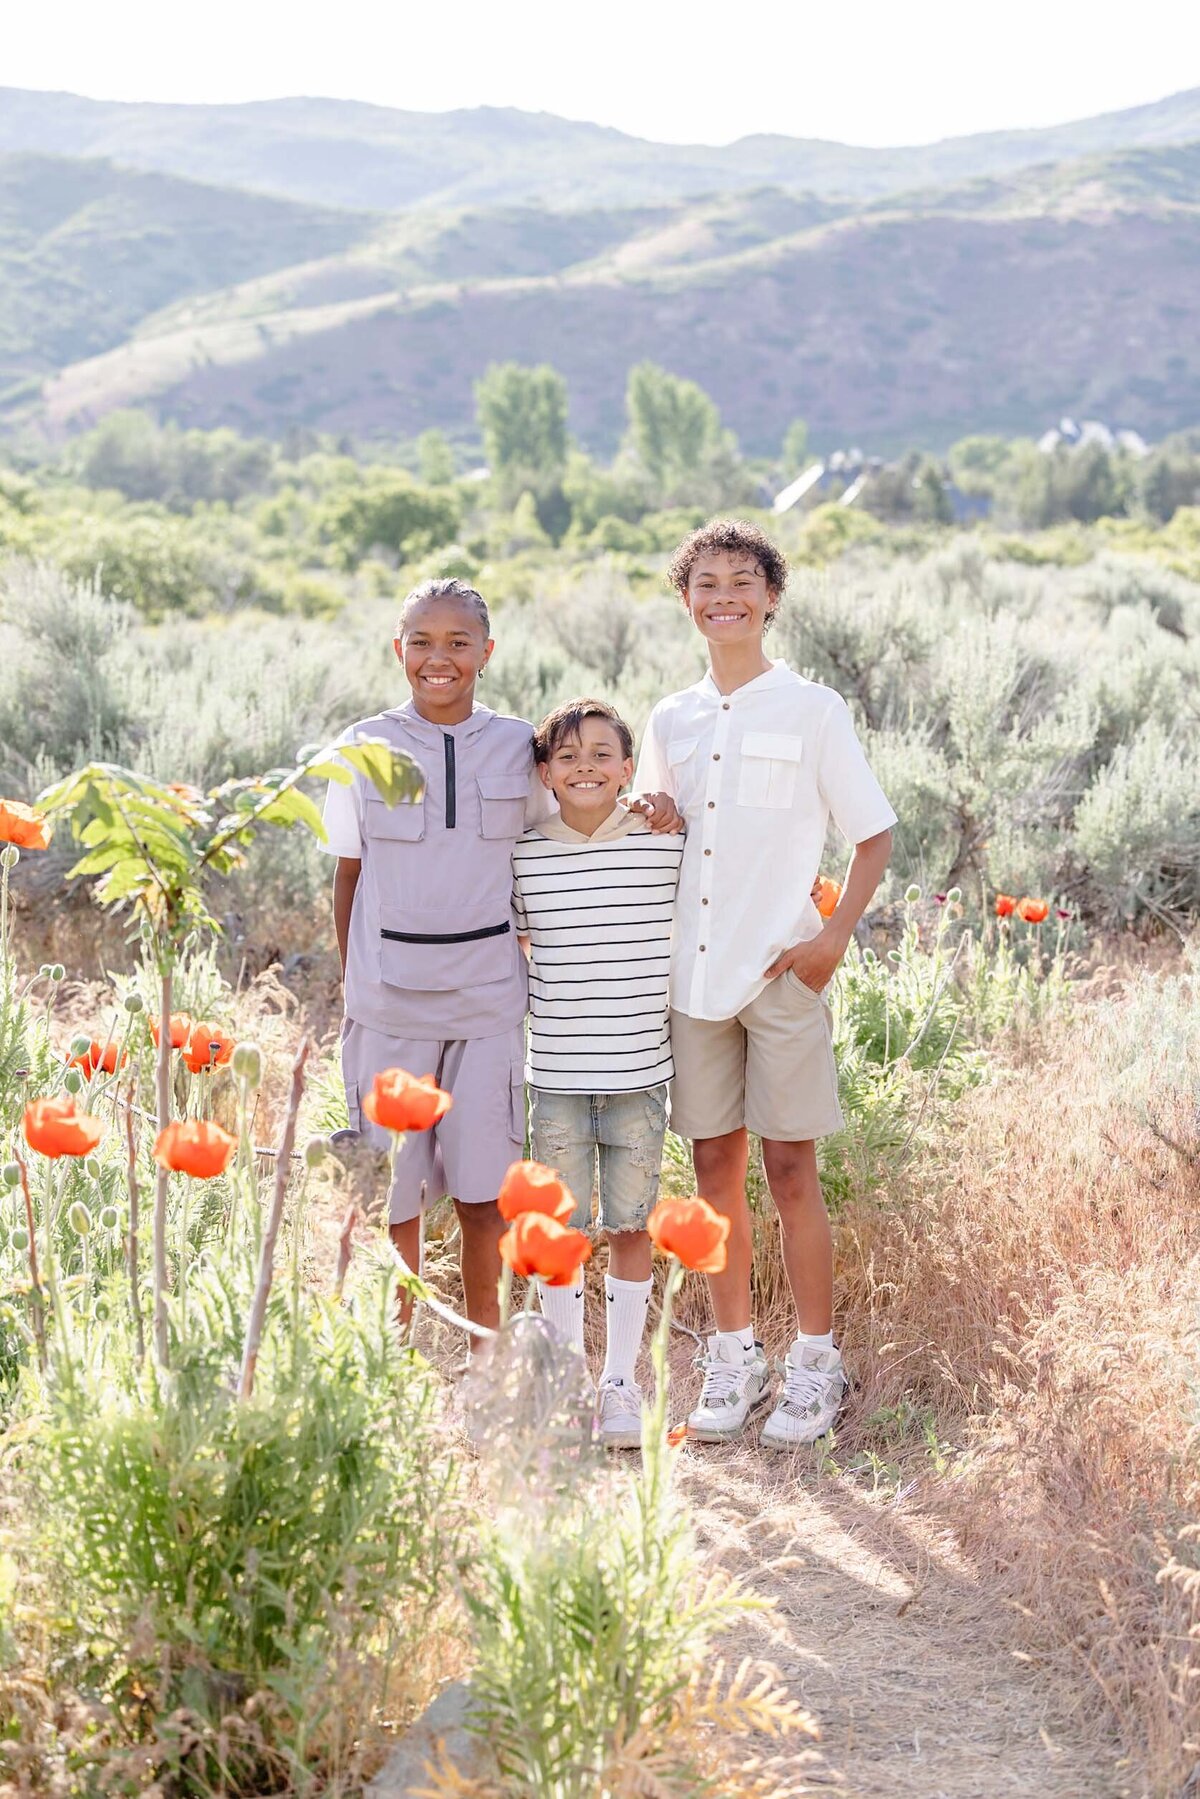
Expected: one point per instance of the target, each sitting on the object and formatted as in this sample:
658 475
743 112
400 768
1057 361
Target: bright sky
865 71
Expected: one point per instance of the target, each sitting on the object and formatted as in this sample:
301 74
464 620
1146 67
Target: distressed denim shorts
622 1132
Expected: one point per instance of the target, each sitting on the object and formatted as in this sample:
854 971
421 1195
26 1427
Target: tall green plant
153 846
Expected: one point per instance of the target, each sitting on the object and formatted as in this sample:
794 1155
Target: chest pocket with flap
402 823
770 762
502 805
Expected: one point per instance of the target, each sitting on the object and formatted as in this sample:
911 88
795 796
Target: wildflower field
243 1539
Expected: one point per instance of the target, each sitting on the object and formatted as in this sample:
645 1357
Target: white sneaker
619 1414
814 1387
734 1389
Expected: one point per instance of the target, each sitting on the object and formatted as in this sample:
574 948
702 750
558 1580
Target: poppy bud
247 1064
134 1003
80 1219
109 1218
912 894
315 1152
91 1167
954 895
73 1081
10 855
10 1174
44 972
57 972
20 1239
80 1046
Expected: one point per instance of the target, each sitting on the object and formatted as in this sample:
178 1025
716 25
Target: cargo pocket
445 949
403 823
353 1109
769 764
502 801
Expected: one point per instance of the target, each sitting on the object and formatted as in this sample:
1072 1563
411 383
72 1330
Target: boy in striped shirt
594 892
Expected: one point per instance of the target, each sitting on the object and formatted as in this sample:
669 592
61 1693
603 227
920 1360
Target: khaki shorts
770 1069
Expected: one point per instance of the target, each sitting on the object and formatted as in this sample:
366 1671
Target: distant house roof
796 490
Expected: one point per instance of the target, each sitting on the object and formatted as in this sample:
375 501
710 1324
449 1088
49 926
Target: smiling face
444 648
728 597
586 773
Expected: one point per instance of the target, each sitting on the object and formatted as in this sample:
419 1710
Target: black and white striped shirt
598 913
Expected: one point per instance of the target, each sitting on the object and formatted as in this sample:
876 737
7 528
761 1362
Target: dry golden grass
1036 1287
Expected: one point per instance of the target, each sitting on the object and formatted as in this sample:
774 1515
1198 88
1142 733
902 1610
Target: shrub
386 510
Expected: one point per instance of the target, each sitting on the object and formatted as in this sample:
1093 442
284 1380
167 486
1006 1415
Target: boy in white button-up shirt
758 760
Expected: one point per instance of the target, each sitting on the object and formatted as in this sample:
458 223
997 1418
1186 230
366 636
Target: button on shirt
757 774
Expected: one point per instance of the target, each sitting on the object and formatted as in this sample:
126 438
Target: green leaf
394 775
295 808
330 771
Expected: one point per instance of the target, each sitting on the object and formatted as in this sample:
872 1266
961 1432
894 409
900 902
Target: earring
483 671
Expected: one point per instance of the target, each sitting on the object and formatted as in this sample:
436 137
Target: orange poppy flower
536 1244
677 1435
400 1101
1006 905
207 1047
827 896
23 826
691 1230
1033 911
54 1128
104 1056
195 1146
531 1187
180 1027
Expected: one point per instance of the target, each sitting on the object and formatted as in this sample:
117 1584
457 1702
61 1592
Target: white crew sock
625 1306
822 1342
562 1308
739 1342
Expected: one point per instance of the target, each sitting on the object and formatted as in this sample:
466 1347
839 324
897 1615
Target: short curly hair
728 537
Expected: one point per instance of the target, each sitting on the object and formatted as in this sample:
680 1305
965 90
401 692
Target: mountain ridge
368 157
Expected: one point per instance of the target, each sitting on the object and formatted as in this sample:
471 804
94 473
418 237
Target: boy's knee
479 1220
719 1152
790 1164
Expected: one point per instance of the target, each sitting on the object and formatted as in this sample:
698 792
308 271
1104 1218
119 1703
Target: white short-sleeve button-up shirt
757 774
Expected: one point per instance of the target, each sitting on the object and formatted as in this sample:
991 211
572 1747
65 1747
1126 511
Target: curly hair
728 537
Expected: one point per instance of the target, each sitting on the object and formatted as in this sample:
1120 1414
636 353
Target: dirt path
887 1638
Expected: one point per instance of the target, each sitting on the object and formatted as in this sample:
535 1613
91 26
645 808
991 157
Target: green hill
344 153
88 249
992 304
897 324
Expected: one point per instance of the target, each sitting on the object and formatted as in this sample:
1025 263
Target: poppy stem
345 1248
266 1266
131 1241
505 1292
654 1431
36 1303
163 1175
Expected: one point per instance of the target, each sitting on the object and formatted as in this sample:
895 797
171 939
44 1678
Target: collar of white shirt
775 676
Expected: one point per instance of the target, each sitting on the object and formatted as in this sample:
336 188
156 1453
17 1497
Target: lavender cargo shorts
469 1151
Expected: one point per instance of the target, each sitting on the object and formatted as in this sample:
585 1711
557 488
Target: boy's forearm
868 862
345 885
